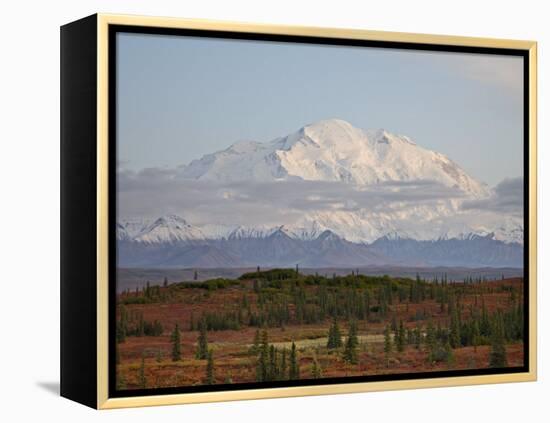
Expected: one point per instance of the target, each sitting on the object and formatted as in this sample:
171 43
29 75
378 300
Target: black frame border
113 30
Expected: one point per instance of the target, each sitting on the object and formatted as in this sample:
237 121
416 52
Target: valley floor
270 326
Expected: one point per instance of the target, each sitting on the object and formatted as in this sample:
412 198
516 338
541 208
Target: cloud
506 199
155 191
505 72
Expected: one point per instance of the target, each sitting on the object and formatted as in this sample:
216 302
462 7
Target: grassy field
281 324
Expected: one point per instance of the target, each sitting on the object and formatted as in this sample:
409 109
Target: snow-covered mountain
129 228
333 150
369 163
168 229
172 242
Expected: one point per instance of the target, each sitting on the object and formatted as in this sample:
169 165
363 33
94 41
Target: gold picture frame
100 25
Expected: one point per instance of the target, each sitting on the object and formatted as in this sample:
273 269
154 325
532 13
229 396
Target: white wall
29 224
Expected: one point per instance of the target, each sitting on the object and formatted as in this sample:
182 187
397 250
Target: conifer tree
273 368
210 368
256 345
387 344
475 334
485 324
122 325
417 337
283 371
316 371
400 342
176 346
497 355
449 354
294 368
334 336
394 326
264 342
141 326
262 365
454 333
430 336
142 381
120 382
350 351
202 342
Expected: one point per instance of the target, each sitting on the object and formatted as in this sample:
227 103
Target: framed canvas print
253 211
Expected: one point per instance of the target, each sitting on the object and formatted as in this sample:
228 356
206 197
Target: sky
179 98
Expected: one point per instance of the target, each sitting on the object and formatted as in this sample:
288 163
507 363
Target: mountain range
369 164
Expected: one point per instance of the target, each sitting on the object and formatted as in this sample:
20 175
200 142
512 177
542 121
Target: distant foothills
173 242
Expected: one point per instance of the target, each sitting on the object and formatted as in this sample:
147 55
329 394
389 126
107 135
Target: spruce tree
142 381
400 341
430 336
316 371
122 325
334 336
475 335
350 351
294 369
210 368
387 344
120 382
454 333
497 355
485 324
417 337
262 366
256 345
141 326
176 346
273 368
202 342
283 369
450 359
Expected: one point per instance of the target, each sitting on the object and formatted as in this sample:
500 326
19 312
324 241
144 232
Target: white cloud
154 192
506 199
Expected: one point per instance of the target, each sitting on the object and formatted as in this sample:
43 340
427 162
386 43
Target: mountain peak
171 219
329 133
332 123
170 228
333 150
